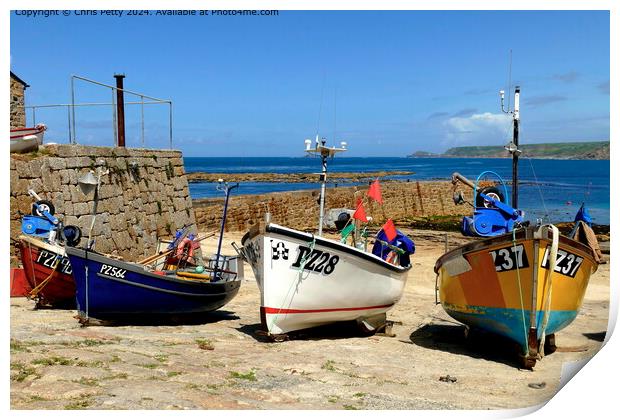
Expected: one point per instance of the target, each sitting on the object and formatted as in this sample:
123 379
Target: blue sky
388 83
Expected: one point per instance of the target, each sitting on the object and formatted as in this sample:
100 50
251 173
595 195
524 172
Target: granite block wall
143 197
300 209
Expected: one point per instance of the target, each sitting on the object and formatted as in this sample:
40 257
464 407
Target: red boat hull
38 264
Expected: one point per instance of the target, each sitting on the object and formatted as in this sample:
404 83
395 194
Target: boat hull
109 289
501 285
26 139
39 258
307 281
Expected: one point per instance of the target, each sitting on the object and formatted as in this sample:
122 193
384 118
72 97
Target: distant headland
598 150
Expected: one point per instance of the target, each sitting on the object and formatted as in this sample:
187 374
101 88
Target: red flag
390 230
360 213
374 191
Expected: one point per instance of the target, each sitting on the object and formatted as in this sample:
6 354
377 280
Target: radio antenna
509 79
318 123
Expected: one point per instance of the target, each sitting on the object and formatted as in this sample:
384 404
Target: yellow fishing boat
504 285
503 282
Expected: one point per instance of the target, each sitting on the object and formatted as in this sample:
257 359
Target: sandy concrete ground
221 363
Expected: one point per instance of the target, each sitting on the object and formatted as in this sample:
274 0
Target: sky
389 83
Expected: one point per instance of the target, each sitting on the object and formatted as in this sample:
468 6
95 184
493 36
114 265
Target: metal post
170 124
69 122
227 190
34 118
73 138
322 198
120 109
142 112
515 155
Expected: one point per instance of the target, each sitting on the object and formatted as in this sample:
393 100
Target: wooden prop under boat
108 289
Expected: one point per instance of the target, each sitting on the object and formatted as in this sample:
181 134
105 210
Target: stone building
18 112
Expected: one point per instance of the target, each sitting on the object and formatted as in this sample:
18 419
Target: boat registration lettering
316 260
111 271
509 258
565 263
48 259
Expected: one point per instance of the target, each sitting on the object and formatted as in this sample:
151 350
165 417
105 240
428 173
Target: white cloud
477 129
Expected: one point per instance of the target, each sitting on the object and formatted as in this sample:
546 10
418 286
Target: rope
542 200
31 265
525 346
34 292
549 283
300 270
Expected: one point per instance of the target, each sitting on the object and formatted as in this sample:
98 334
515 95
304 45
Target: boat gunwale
48 246
520 234
324 242
173 292
139 269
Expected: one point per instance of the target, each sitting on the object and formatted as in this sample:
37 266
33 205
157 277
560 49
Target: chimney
120 109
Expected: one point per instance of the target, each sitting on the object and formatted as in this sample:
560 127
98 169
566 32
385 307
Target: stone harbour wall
18 115
300 209
144 196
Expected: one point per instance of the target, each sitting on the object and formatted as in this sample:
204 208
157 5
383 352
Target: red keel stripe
306 311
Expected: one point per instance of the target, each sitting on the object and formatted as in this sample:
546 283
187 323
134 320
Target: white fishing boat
307 280
27 139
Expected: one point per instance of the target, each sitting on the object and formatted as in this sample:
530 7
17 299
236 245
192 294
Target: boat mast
516 152
324 152
323 182
513 146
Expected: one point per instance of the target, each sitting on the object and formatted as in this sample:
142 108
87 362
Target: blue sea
549 189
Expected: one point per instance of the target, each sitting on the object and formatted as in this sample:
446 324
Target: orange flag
360 213
374 191
390 230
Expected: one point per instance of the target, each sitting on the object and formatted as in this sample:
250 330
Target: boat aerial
27 139
502 283
307 280
109 289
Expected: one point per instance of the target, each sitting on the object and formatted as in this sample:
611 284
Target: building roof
14 76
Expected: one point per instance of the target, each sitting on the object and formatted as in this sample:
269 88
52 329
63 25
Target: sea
549 189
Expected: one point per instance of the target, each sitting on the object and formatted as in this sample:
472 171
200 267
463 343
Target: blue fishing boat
109 289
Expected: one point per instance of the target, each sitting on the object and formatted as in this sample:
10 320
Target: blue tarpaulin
583 215
401 241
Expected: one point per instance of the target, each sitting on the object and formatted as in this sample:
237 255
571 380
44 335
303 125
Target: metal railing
71 109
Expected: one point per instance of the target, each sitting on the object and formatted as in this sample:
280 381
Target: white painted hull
26 139
341 284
